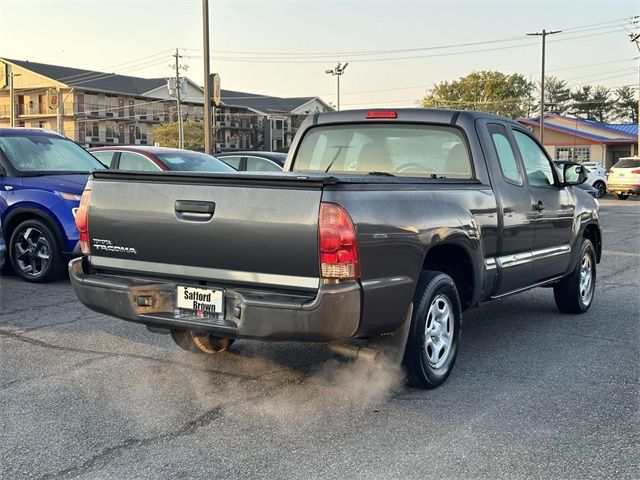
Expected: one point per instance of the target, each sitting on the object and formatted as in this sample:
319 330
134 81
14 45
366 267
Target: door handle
194 210
539 206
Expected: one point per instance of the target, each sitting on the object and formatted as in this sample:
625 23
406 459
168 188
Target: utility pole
207 77
177 58
543 34
635 37
337 72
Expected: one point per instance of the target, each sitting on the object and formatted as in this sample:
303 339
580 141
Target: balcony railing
40 109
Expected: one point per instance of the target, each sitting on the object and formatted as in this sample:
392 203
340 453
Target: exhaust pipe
355 352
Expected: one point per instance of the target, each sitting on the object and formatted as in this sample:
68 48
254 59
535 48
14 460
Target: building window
95 129
575 154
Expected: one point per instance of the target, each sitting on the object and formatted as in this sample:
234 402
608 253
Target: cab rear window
400 150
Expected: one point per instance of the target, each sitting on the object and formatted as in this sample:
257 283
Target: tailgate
232 231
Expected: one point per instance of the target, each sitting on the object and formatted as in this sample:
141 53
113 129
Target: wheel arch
20 214
455 257
593 233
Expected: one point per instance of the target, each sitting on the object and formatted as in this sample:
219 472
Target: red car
153 159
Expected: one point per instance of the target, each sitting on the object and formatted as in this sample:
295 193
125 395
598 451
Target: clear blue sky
296 40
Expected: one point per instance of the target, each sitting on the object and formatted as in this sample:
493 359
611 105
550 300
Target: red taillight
382 114
82 221
637 172
338 244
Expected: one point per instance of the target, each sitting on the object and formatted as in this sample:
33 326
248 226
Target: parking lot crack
108 454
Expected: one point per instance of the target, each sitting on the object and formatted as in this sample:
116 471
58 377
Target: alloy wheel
31 252
586 279
438 331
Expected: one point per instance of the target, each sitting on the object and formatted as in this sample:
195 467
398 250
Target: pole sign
52 99
216 89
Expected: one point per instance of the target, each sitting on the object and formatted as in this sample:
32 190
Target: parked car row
43 175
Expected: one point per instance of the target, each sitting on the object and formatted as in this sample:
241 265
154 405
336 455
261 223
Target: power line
601 25
307 60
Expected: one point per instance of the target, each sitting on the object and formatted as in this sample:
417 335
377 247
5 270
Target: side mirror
574 174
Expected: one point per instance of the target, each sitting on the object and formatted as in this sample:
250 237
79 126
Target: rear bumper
332 315
623 188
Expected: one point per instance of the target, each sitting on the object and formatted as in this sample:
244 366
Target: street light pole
543 34
207 77
337 72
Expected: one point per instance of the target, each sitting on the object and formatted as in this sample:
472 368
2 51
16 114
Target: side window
535 161
106 158
505 153
255 164
232 161
133 161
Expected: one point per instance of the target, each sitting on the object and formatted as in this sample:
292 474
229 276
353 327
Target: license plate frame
210 300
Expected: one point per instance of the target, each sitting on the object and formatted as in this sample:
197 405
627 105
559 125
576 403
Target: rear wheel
601 189
574 293
621 196
432 346
34 252
200 342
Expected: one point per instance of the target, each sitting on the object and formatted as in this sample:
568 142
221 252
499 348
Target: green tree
556 95
592 103
489 91
166 135
625 108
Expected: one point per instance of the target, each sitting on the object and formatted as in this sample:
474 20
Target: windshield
383 149
181 161
42 154
627 163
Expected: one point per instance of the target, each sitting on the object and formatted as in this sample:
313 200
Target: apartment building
99 108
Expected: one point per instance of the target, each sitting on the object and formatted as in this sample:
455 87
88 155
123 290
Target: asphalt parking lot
535 394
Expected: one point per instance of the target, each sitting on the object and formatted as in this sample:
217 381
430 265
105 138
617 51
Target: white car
624 178
595 167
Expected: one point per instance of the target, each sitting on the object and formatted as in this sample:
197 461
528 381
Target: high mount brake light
82 221
337 243
382 114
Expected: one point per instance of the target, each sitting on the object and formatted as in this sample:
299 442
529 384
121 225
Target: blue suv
42 176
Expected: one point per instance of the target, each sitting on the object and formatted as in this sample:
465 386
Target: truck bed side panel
395 230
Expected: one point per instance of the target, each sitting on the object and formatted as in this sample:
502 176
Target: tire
601 189
34 252
621 196
428 363
574 293
200 342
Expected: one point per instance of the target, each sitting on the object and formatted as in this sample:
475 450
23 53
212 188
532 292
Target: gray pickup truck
384 227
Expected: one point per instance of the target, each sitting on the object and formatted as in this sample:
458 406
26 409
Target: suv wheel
432 346
601 189
34 252
200 342
574 293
